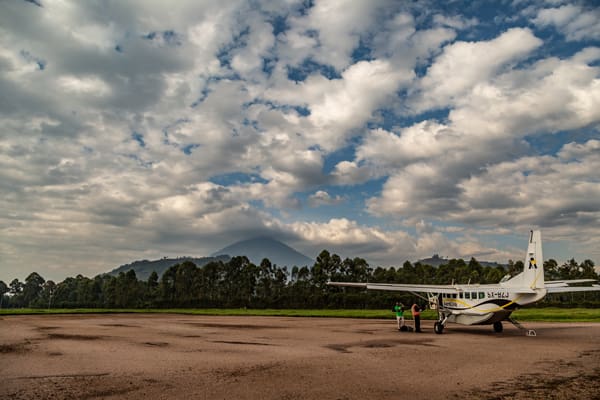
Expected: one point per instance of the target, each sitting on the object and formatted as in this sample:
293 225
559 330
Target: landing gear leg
438 327
498 327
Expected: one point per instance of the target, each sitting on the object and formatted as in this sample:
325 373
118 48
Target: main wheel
498 327
438 328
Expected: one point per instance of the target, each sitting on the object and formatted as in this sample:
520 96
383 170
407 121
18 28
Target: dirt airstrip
201 357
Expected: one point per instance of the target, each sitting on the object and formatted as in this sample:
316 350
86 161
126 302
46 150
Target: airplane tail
533 272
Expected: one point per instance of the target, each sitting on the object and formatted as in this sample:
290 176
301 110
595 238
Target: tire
438 328
498 327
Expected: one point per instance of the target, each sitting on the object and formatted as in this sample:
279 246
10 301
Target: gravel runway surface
155 356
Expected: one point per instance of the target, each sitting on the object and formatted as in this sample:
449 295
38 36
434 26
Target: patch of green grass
558 314
527 314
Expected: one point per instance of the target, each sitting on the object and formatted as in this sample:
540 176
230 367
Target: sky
387 130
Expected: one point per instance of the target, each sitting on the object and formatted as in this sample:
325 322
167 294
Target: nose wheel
438 328
498 327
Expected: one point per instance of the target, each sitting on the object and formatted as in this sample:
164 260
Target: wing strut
528 332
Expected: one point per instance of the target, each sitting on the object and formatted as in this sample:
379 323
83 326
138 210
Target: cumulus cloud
539 190
352 173
331 31
463 65
421 141
348 238
455 21
428 161
574 21
391 248
338 107
322 198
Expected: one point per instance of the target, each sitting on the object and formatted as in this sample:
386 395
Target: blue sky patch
309 67
138 137
237 178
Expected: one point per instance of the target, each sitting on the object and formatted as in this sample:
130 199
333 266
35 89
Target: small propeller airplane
475 304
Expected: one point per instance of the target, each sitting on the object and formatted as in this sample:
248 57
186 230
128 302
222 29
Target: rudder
533 272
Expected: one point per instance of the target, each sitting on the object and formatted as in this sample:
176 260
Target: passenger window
460 295
481 295
473 295
467 295
453 295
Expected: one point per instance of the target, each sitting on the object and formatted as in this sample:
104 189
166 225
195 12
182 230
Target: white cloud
463 65
390 247
429 161
455 22
574 21
89 86
551 95
330 31
322 198
350 102
351 173
347 238
339 106
544 191
421 141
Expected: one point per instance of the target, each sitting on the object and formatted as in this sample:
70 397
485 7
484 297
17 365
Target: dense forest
239 283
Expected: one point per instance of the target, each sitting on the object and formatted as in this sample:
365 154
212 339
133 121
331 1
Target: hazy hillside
259 248
436 261
255 249
144 268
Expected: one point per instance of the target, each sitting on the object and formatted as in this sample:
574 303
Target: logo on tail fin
532 263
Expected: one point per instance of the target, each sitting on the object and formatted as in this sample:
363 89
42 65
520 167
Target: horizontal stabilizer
570 289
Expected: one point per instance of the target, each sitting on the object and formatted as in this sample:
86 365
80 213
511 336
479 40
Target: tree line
240 283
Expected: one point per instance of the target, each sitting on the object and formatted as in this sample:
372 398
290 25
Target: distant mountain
436 261
263 247
144 268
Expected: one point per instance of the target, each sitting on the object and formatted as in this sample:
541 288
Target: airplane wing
399 287
550 286
564 286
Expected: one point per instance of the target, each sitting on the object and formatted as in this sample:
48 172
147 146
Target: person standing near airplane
416 313
399 310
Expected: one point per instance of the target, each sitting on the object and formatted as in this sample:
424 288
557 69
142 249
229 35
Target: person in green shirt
399 310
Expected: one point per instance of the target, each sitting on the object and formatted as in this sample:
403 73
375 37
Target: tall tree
32 288
47 294
16 290
3 290
151 290
185 285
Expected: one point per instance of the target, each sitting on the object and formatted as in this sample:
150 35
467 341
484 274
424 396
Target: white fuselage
484 304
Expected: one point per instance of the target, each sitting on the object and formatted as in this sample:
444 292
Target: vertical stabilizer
533 272
532 276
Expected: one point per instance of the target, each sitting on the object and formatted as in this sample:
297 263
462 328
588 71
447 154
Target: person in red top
416 313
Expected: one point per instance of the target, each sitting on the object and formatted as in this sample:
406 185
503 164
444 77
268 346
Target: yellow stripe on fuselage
474 307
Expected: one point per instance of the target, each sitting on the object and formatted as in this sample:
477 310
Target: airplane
478 304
